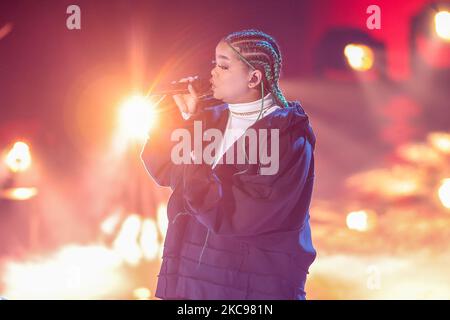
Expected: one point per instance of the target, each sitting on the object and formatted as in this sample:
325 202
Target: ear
255 78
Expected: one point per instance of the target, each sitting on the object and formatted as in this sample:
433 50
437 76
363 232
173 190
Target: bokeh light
359 57
442 25
74 272
148 240
126 242
161 218
136 117
444 193
142 293
18 158
19 193
361 220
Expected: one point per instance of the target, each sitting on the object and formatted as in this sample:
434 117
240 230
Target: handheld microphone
202 87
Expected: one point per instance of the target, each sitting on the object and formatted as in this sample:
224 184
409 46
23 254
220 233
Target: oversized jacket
234 233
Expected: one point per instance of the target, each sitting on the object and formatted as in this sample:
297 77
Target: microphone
202 87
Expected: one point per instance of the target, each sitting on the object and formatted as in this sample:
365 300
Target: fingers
192 91
188 79
180 103
190 87
186 103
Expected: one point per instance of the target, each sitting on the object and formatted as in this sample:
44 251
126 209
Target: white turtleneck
241 117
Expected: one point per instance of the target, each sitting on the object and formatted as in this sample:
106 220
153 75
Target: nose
211 80
212 71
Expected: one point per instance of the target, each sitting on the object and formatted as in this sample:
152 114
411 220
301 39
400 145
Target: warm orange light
142 293
136 117
361 220
442 25
444 193
73 272
161 217
126 244
149 239
18 158
109 225
359 57
440 141
19 194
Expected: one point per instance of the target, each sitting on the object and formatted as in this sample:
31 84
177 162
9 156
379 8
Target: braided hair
263 53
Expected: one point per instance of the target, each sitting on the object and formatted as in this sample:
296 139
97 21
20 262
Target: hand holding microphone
187 103
190 94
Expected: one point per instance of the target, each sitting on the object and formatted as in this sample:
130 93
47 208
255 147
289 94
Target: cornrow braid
253 34
262 52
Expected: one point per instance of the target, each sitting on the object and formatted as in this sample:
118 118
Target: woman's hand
187 103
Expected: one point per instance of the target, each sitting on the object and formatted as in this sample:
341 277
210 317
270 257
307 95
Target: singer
233 232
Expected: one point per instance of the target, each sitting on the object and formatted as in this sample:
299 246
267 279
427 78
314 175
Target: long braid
262 51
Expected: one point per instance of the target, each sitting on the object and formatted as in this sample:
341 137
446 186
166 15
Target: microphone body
201 85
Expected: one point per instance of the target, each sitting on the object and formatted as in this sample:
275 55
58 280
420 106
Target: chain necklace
250 113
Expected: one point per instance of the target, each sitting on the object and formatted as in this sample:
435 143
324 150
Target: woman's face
230 75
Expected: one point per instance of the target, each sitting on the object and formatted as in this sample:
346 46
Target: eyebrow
223 57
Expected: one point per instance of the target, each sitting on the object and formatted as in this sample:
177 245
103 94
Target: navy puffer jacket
234 233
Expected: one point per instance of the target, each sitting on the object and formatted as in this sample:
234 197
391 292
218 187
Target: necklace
250 112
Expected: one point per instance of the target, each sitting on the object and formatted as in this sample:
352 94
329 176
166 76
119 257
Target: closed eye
214 62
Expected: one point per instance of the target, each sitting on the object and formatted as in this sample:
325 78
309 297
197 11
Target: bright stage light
357 220
440 141
74 272
161 218
360 57
136 117
361 220
442 25
149 239
109 225
444 193
19 193
19 157
142 293
126 243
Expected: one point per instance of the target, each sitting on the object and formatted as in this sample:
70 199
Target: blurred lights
136 239
398 181
18 158
142 294
74 272
161 217
420 154
440 141
136 117
444 193
126 242
442 25
362 220
149 239
19 194
5 30
110 224
359 57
